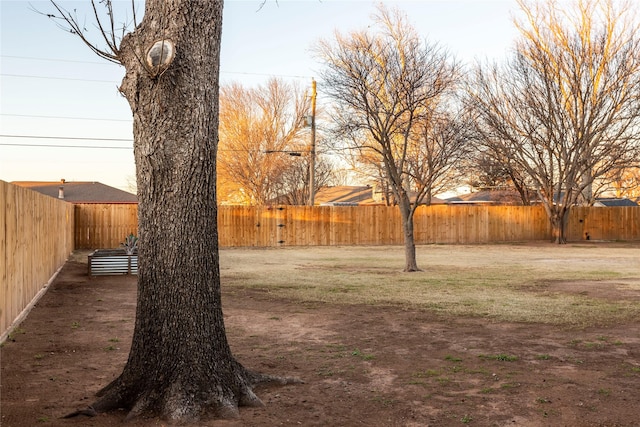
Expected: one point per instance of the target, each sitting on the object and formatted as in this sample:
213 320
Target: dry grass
499 282
521 283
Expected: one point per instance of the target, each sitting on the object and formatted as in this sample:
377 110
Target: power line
105 63
109 147
115 82
56 60
66 117
7 144
264 74
58 78
65 146
67 137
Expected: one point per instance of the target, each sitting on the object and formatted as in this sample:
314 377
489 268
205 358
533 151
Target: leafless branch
69 21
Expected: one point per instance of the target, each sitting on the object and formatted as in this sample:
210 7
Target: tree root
175 405
88 411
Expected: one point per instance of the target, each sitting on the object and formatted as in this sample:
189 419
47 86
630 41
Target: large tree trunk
180 366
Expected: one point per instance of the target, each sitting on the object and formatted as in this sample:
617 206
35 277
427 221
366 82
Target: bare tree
180 366
565 108
621 182
385 85
259 128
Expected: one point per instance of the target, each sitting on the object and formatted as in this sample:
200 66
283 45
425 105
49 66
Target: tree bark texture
558 217
406 211
180 366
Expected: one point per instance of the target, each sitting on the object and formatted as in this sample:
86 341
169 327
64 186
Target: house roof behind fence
490 197
611 202
80 192
344 194
347 195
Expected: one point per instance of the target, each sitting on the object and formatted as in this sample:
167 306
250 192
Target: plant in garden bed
130 244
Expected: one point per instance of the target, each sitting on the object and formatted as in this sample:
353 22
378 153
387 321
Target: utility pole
312 151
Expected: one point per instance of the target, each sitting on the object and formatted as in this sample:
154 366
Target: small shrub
17 331
363 356
500 357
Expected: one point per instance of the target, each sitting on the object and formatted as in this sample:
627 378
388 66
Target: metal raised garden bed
104 262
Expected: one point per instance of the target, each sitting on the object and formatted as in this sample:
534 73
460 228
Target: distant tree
387 84
180 366
293 188
259 128
264 150
565 108
623 183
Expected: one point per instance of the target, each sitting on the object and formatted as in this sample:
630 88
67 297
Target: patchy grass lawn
582 284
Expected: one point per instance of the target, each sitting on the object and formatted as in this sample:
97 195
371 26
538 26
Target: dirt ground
361 365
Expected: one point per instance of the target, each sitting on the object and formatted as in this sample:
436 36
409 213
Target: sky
62 117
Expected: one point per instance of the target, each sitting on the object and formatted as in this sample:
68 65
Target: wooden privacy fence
36 238
376 225
105 226
38 232
615 223
102 225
